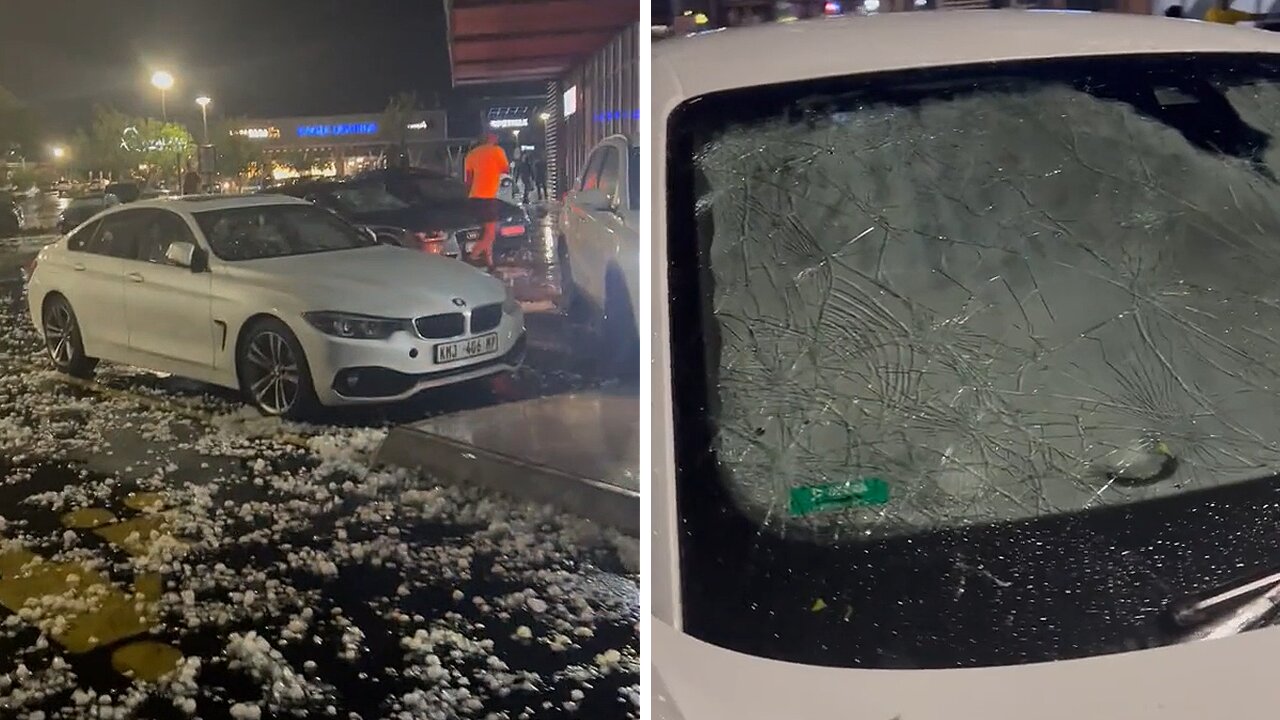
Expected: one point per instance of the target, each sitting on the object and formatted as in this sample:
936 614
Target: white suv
599 248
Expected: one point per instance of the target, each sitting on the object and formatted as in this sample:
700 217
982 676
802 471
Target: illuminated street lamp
203 101
163 82
544 116
58 152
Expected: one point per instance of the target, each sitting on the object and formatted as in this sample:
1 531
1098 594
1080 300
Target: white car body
601 226
174 320
696 680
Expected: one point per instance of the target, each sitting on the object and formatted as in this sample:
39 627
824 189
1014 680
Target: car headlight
360 327
510 304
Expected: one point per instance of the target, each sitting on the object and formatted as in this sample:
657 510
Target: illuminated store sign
570 100
258 133
420 125
509 123
617 115
338 130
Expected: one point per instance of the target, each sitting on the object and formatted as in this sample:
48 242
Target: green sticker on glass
837 496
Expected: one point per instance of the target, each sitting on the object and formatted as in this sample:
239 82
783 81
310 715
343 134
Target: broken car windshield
266 231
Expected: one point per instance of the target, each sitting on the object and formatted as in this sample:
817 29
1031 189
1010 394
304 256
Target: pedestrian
190 181
524 169
1222 13
539 167
484 167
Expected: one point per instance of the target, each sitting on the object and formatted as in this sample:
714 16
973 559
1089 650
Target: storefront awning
521 40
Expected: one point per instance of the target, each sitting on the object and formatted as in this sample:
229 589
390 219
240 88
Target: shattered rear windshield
948 320
254 232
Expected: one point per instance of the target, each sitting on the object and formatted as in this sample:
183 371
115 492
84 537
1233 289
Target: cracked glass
960 326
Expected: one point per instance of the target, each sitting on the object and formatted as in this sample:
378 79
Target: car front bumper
354 372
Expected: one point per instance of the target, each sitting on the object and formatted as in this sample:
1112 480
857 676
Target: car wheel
274 374
63 340
621 336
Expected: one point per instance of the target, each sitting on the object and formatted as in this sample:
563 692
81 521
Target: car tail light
511 230
432 243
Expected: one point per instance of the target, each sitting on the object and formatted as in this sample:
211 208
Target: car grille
485 317
440 326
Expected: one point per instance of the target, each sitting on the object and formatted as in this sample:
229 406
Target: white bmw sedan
272 296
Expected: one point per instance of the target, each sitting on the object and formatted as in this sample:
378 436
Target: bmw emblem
459 302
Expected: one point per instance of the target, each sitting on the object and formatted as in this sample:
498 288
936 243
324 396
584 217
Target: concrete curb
455 463
32 241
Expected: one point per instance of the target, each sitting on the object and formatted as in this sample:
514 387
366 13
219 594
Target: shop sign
338 130
570 101
266 133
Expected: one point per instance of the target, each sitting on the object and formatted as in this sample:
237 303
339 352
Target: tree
161 145
121 144
19 128
100 147
237 154
401 110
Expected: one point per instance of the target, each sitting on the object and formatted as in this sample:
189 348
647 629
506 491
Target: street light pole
163 81
203 101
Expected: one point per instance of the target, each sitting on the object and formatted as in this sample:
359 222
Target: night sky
253 57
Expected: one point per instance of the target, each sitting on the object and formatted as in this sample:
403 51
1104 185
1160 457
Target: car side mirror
594 200
182 254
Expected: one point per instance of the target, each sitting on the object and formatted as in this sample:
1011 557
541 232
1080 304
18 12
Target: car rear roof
710 62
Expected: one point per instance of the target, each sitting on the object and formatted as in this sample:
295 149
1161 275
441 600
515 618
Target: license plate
469 348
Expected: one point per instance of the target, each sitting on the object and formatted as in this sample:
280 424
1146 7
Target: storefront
518 123
343 145
578 58
597 98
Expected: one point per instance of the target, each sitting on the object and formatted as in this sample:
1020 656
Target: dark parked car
448 196
10 215
129 191
440 228
84 207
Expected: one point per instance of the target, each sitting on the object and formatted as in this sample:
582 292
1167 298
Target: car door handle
136 277
78 267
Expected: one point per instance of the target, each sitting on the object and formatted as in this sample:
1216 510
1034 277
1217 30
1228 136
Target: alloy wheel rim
59 332
273 377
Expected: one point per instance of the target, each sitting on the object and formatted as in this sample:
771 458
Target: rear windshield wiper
1231 608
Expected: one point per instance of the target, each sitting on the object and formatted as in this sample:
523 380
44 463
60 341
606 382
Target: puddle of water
75 605
87 518
145 660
